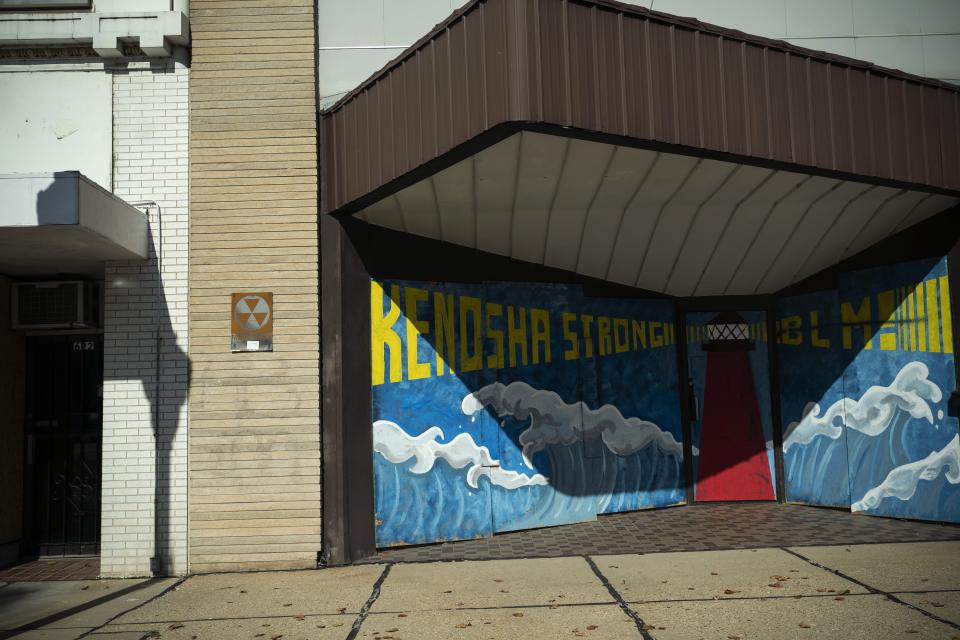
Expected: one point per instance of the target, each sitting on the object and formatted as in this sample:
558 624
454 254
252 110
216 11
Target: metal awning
640 147
63 223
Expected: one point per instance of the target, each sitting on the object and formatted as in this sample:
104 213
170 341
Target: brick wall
150 131
254 417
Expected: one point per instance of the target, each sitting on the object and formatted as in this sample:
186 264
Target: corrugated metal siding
618 69
254 417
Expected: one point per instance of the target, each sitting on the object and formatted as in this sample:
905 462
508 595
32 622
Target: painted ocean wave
902 481
583 462
397 446
911 391
553 421
874 467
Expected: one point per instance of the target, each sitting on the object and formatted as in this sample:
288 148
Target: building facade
255 443
93 232
436 270
620 259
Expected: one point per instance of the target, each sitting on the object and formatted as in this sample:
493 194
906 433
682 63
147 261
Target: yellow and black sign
251 322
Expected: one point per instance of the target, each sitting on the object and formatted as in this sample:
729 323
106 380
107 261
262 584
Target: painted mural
865 375
732 432
501 406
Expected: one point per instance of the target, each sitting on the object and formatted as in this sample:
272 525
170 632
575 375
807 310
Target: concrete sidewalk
908 590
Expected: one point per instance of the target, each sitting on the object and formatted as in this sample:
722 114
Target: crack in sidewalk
874 590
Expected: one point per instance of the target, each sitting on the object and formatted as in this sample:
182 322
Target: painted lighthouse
733 459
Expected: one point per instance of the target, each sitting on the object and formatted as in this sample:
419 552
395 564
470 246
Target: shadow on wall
493 408
866 372
141 359
141 350
58 202
516 401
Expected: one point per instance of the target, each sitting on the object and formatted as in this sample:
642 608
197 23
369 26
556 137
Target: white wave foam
902 481
397 446
553 421
910 391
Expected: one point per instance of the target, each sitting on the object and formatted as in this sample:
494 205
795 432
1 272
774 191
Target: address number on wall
84 345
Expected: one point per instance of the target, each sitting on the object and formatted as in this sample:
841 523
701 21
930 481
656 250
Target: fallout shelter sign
251 322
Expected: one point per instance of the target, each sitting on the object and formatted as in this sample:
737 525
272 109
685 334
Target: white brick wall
150 162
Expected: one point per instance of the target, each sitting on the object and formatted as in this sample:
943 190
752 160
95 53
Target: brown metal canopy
630 76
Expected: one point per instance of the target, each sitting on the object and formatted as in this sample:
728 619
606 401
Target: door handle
694 401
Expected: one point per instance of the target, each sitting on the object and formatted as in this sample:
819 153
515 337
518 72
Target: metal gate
64 423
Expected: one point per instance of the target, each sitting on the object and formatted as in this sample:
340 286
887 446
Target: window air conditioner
73 304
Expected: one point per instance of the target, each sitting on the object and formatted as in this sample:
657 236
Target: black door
64 422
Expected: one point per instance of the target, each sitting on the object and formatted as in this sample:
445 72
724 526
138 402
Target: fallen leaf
714 573
936 604
300 617
176 625
84 587
804 625
613 566
498 580
342 610
392 630
734 637
463 625
554 606
518 615
839 598
448 591
842 593
775 585
401 615
591 627
289 604
242 591
730 592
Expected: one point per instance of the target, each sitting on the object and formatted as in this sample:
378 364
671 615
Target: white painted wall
56 121
151 137
919 36
125 125
141 5
357 38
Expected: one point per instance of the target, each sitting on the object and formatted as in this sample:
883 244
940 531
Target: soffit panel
670 223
